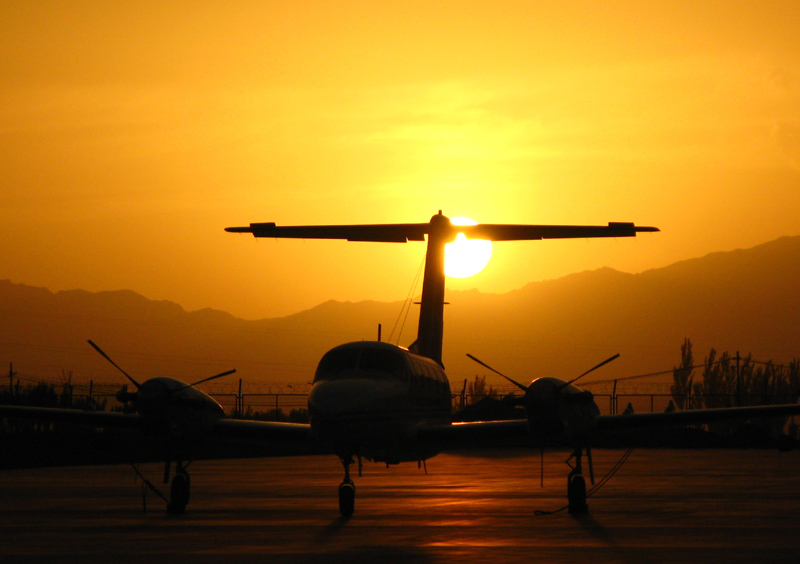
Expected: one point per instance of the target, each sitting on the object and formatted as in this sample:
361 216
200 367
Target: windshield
366 361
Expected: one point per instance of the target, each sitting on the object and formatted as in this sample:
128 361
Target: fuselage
369 398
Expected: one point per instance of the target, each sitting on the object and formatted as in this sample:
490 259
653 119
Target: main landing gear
179 490
576 484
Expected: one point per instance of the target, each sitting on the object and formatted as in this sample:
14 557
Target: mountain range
744 300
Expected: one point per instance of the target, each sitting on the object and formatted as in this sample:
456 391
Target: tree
476 390
683 375
735 381
718 386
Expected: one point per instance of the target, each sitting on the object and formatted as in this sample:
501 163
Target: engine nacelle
558 411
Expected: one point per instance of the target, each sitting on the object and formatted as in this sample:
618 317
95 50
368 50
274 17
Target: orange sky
132 133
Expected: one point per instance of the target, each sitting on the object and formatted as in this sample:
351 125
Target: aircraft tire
347 499
179 494
576 494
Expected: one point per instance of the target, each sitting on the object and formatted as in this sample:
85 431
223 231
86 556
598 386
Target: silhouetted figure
628 410
670 407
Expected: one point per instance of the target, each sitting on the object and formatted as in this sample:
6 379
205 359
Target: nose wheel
347 490
347 498
576 494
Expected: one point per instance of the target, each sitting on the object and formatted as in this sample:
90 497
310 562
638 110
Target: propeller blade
108 358
203 380
606 361
517 384
220 375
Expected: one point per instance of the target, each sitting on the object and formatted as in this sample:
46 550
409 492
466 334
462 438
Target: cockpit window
339 360
387 361
336 361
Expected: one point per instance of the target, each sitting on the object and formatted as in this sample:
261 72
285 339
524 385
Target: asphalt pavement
721 506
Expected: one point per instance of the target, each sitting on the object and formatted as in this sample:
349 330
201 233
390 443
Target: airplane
387 403
168 411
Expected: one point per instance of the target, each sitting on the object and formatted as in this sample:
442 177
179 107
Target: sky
133 133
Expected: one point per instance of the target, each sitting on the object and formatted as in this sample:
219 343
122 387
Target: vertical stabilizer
431 316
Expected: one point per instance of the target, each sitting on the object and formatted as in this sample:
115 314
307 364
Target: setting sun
466 257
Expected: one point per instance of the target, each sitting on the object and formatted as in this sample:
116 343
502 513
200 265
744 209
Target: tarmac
720 506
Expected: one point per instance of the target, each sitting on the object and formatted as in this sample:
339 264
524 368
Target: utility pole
738 381
614 399
11 375
240 401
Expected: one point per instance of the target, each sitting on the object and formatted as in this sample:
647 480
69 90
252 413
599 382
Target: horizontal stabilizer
403 232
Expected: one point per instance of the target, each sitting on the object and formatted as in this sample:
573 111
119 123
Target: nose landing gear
347 489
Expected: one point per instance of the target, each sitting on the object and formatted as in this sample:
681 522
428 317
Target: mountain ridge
737 300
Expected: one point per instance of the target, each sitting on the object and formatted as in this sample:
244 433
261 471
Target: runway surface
720 506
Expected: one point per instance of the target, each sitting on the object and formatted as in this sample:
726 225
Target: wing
691 417
284 438
264 431
76 416
517 432
289 436
476 433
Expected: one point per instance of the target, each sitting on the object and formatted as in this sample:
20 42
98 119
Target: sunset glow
133 134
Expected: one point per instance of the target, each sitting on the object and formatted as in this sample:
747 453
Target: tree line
722 380
735 381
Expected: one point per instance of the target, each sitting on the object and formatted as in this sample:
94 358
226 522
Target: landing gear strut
347 489
576 485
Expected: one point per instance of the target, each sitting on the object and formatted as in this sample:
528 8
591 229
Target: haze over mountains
745 300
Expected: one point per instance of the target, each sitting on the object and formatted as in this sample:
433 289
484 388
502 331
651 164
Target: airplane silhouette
386 403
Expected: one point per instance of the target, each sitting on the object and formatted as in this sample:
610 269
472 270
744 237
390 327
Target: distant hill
744 300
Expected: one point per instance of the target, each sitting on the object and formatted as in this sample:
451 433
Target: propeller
124 396
108 358
526 388
606 361
220 375
155 399
479 361
529 405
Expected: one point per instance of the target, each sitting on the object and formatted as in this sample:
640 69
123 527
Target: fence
609 404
